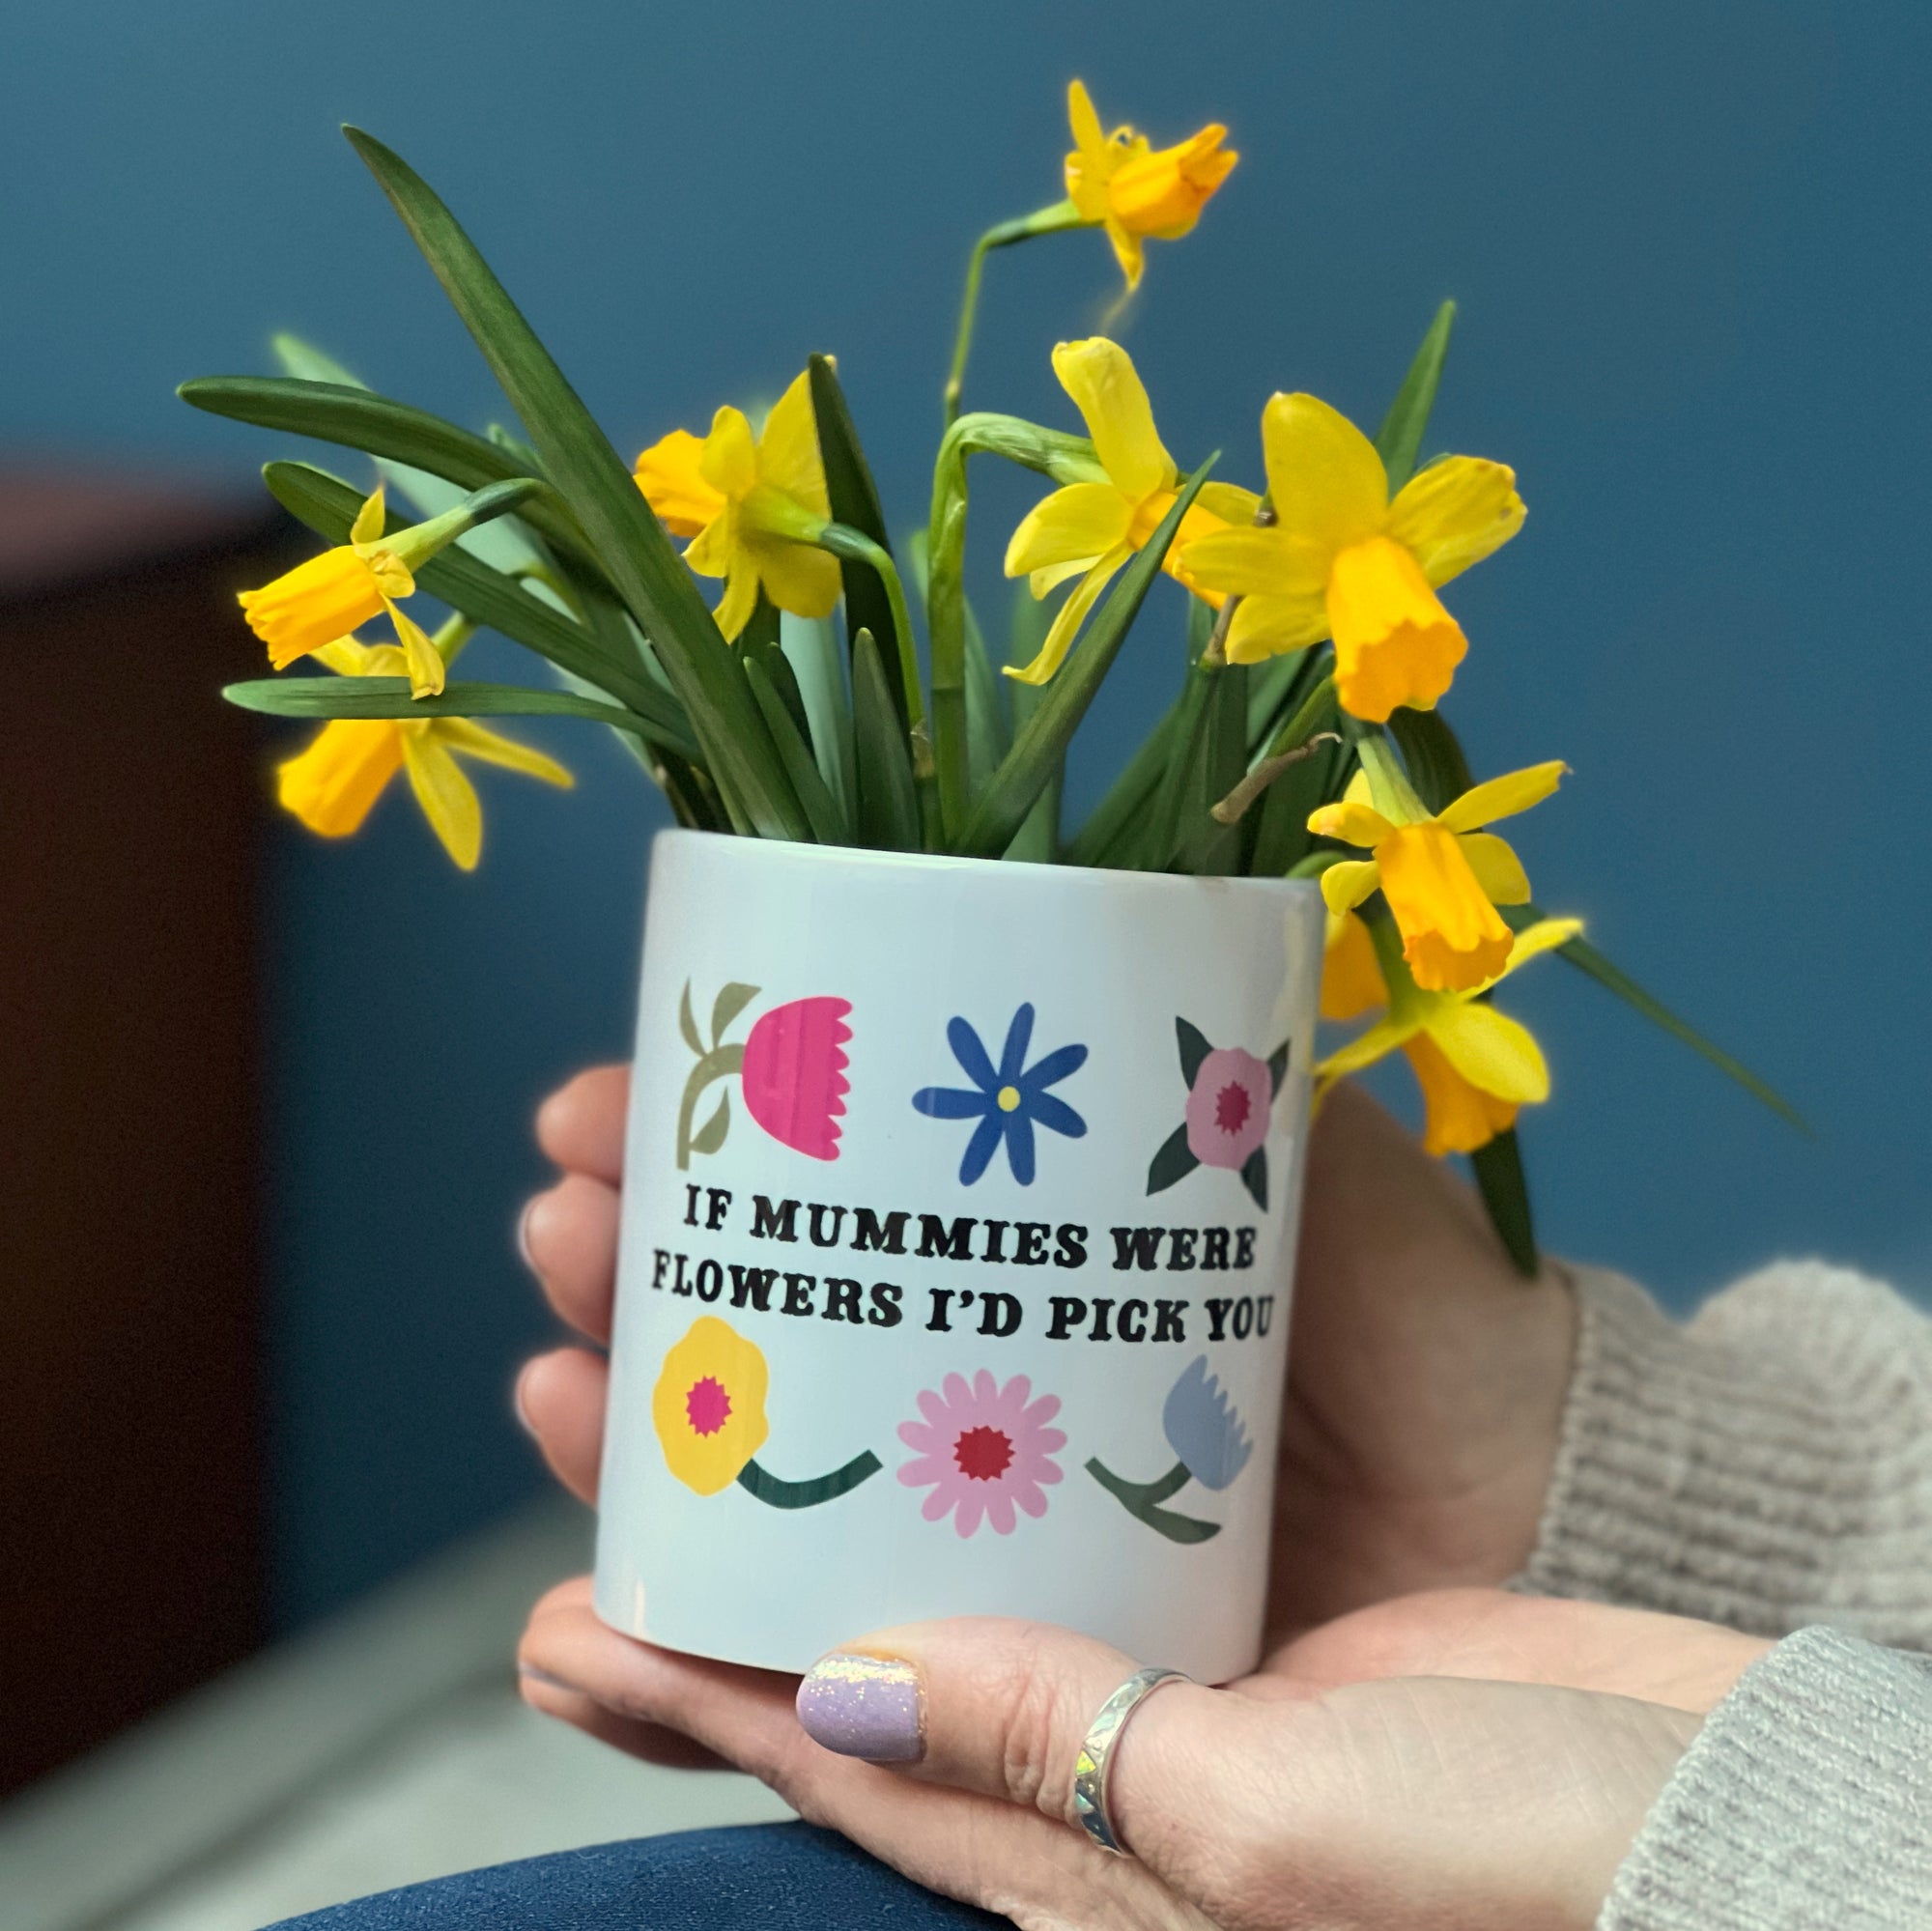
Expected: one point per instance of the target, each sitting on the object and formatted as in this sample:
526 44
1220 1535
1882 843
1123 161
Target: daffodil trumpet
1442 874
325 599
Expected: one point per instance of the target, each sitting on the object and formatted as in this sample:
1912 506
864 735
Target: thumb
1002 1708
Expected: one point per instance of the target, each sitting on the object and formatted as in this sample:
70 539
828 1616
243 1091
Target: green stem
783 1495
1042 221
1142 1499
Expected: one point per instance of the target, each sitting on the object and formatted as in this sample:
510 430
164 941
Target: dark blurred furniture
131 814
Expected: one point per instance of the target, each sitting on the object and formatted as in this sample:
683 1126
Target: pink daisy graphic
983 1451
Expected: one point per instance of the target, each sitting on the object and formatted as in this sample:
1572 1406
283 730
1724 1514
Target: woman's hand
1463 1759
1426 1378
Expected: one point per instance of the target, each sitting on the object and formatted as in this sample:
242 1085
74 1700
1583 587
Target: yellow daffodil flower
709 1406
1443 877
1120 183
332 785
752 505
325 598
1090 530
1341 560
1476 1067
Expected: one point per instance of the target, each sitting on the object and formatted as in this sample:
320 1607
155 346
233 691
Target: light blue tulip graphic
1205 1430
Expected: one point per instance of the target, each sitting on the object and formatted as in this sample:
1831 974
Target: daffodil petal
1351 978
1491 1050
797 578
1394 642
1455 513
1107 390
1228 502
1497 868
1352 821
1083 120
710 553
372 520
788 457
1345 885
427 671
1326 482
447 798
1083 520
1503 797
332 784
729 460
469 739
1545 936
1267 626
1129 252
741 595
1045 581
348 657
1256 562
1377 1043
1068 618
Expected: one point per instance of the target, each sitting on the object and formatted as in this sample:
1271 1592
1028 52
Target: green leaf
1208 848
1282 839
626 536
988 722
732 999
688 1025
1399 440
1587 959
828 821
389 697
1436 765
817 659
358 418
711 1135
1173 1162
1028 768
1038 840
855 502
1111 835
1499 1178
486 596
1194 1048
1255 1177
887 804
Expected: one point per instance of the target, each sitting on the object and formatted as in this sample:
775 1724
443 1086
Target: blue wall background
1689 241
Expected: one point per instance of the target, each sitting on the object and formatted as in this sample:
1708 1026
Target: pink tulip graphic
791 1071
794 1074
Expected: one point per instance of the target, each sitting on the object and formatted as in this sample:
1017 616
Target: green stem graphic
721 1063
784 1495
1143 1499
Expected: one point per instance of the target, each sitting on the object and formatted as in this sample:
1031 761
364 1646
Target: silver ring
1096 1754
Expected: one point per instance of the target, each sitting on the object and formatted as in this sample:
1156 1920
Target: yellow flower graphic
325 598
333 785
752 506
1120 181
1475 1065
1341 560
1090 530
709 1406
1442 876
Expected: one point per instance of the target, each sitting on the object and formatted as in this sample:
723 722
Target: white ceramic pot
958 1230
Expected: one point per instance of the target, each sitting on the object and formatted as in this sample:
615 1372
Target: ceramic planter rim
935 864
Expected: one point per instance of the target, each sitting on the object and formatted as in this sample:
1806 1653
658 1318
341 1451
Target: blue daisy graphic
1008 1101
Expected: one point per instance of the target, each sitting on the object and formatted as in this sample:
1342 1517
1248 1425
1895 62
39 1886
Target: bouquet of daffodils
1304 738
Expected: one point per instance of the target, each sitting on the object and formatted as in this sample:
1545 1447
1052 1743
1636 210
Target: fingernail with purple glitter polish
864 1706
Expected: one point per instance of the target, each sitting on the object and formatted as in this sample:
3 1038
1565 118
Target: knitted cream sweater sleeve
1766 1466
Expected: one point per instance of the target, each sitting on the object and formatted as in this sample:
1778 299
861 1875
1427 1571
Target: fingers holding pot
568 1237
561 1398
580 1126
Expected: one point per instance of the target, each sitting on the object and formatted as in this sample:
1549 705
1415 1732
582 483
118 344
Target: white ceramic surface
1078 1423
